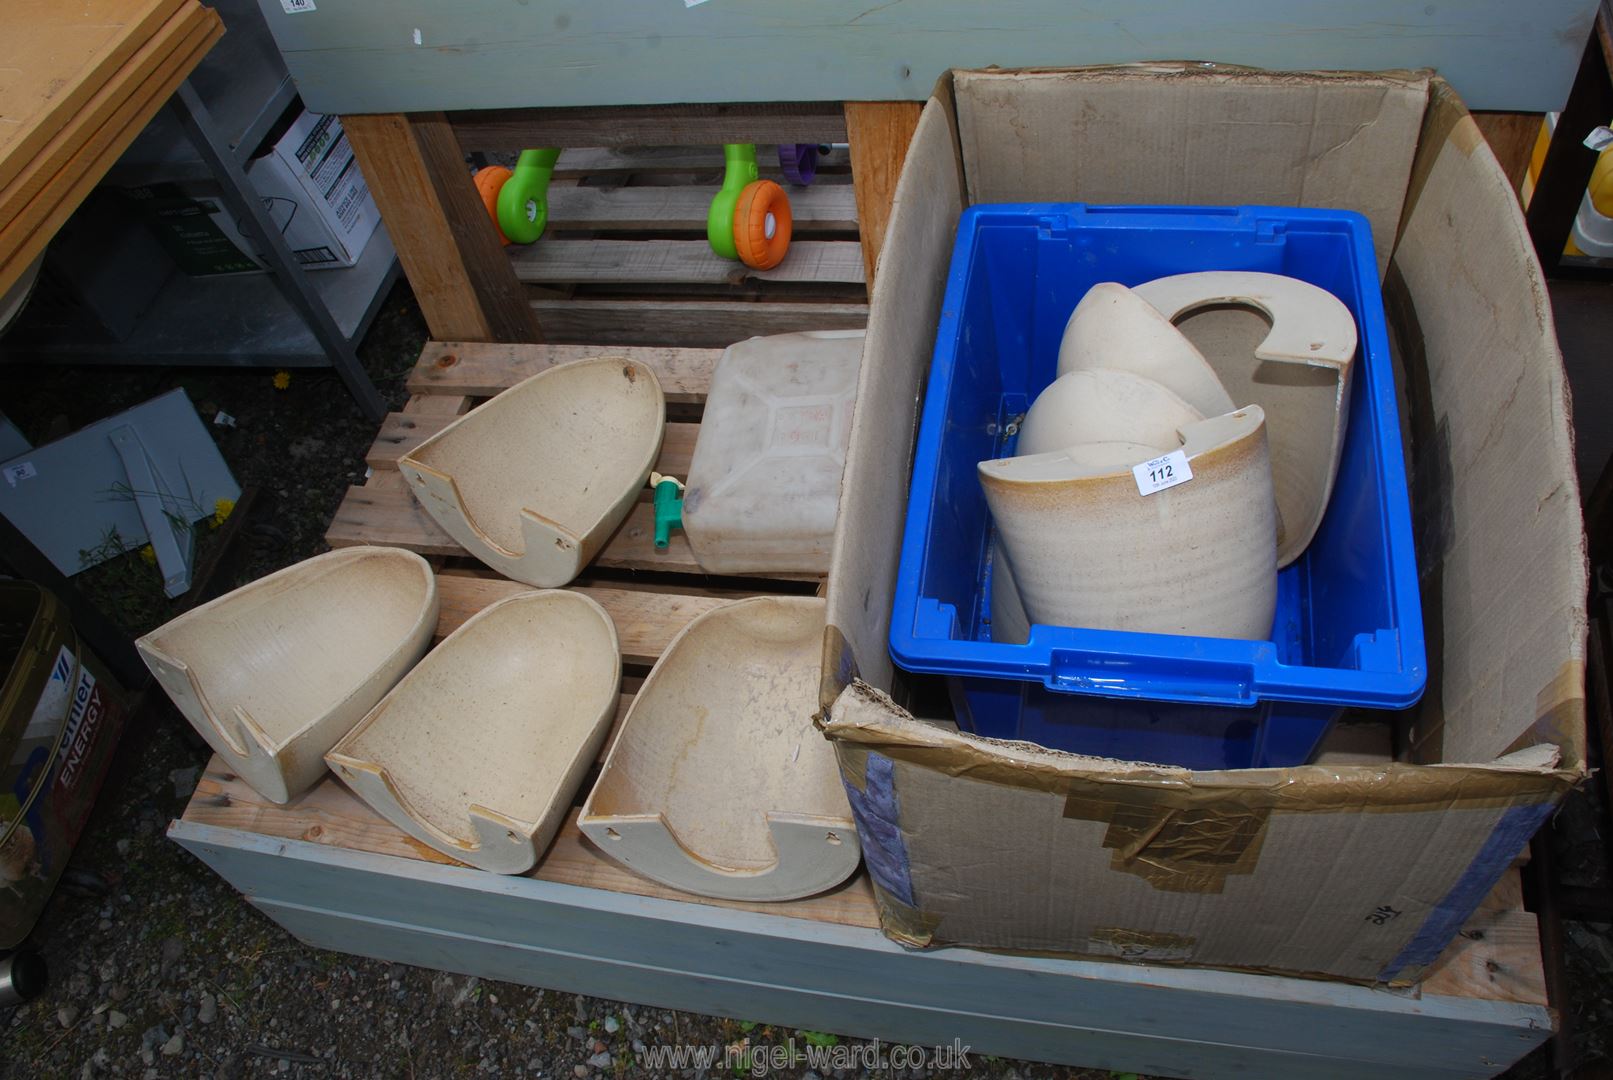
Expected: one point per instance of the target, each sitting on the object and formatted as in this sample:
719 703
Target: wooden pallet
328 844
625 259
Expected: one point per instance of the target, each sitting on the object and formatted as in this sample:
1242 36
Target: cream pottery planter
478 751
1104 407
272 674
719 783
535 481
1087 550
1112 327
1297 369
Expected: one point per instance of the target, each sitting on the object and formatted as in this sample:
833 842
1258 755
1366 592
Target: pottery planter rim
497 841
796 836
553 551
1155 349
1206 441
257 755
1309 327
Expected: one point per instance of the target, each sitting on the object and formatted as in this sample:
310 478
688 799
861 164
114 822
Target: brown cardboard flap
1358 872
1194 134
865 716
1510 567
906 306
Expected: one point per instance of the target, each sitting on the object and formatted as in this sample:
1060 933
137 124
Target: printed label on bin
1160 473
297 7
22 471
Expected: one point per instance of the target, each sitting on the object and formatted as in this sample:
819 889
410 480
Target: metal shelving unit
287 317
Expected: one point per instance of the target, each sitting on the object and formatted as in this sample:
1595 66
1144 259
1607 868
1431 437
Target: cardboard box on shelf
1361 871
312 182
311 185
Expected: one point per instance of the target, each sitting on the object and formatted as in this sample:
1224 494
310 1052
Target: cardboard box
1354 871
309 182
316 193
189 220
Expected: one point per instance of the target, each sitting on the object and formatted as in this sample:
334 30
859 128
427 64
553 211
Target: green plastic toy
668 508
523 201
739 169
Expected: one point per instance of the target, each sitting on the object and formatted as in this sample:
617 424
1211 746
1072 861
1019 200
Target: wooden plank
513 130
833 169
331 815
473 55
646 622
443 405
770 965
879 132
177 37
390 515
649 262
1512 137
816 209
708 324
482 370
402 432
445 241
1495 957
25 237
56 57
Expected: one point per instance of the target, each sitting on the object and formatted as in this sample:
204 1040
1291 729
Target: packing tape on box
1178 830
869 779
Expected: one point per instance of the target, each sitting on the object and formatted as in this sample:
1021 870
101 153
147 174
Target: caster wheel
23 976
762 225
489 182
799 162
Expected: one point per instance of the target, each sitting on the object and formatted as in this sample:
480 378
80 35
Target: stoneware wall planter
535 481
719 783
1114 328
274 673
1086 549
1297 369
479 750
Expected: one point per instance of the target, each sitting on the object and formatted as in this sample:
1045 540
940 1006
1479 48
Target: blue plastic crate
1348 630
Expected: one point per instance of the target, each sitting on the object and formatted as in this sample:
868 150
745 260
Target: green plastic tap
739 169
668 508
523 201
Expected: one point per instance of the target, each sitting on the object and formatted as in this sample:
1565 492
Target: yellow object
1600 186
149 555
282 379
222 509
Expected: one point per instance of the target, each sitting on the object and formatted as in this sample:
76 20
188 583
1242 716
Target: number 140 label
1162 472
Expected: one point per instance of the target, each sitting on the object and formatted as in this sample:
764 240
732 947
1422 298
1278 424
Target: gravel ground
160 969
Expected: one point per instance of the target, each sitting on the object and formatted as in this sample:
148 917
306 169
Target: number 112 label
1162 472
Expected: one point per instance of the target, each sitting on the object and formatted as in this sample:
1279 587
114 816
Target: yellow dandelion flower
282 379
149 554
222 509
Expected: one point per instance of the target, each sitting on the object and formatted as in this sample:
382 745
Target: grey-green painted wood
826 977
402 55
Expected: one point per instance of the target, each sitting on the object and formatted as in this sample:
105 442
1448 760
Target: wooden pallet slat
655 262
482 369
402 432
646 622
390 515
817 209
651 125
331 815
649 161
694 323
